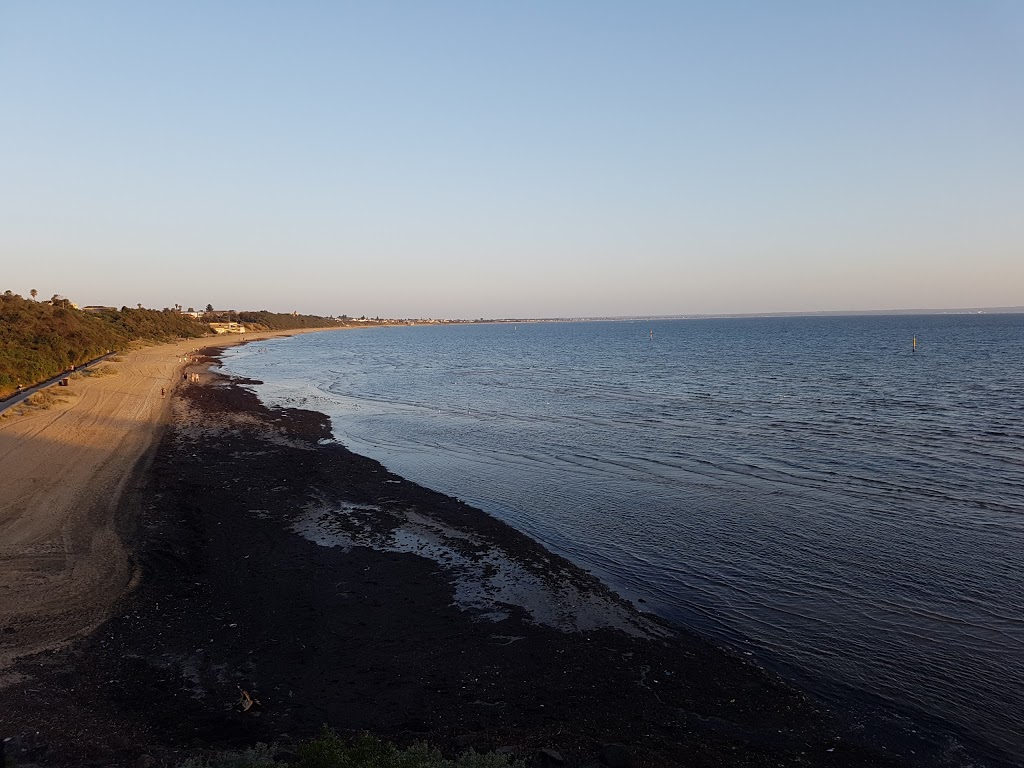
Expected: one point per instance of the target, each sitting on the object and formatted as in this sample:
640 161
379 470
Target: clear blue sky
469 159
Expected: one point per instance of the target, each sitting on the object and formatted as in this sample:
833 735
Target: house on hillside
227 327
96 309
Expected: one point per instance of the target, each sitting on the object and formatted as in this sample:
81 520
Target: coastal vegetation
39 340
48 398
329 750
283 321
43 400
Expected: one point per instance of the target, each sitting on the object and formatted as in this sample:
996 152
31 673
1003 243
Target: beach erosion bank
273 560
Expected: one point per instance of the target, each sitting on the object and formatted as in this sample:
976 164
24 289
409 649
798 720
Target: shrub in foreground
329 750
260 756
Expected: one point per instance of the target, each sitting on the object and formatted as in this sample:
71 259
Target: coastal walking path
63 471
25 394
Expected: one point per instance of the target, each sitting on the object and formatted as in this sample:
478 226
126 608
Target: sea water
810 491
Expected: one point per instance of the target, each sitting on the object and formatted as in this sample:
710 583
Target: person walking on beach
161 391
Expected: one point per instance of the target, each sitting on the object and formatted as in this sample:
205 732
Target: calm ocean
806 490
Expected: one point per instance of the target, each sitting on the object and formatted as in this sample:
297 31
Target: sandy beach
63 473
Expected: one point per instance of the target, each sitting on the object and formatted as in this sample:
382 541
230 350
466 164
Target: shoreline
270 561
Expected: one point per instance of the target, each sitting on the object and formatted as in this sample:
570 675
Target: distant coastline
1014 310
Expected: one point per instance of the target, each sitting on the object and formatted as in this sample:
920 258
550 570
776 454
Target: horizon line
1004 310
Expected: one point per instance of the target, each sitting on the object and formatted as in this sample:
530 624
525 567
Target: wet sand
274 560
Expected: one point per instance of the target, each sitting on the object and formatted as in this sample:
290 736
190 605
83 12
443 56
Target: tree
139 305
33 293
209 307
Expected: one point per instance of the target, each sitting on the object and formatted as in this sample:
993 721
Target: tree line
39 340
278 321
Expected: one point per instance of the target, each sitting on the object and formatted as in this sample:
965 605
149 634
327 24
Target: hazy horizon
459 160
1006 309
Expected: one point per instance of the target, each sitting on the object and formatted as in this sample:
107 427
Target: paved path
27 393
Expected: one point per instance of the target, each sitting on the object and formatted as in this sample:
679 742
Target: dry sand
63 474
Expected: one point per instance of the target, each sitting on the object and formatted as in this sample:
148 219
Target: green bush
367 751
329 750
260 756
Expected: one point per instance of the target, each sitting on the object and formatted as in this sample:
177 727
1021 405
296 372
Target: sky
514 159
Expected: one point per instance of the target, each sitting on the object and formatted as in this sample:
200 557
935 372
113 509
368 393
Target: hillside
39 340
263 320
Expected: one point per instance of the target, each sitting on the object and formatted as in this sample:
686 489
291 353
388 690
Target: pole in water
652 333
914 346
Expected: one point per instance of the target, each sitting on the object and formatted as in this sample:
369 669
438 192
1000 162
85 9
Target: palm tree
34 293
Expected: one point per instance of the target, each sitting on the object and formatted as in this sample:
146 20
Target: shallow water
805 489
